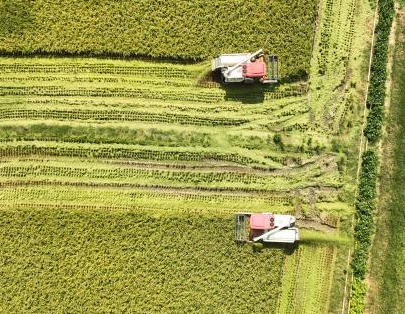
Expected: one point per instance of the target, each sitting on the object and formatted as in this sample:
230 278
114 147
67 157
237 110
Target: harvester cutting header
265 227
247 68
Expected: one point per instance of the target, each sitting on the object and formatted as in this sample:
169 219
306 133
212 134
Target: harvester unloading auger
246 67
265 227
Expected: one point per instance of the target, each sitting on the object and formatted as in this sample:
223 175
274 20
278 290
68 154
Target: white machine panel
283 236
228 60
280 220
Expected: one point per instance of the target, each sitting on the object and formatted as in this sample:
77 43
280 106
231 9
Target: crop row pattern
121 152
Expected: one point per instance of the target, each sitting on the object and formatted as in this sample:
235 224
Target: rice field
120 177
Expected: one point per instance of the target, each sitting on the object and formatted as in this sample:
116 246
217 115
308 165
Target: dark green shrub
377 92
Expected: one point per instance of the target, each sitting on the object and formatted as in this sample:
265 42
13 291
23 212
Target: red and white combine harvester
246 67
265 227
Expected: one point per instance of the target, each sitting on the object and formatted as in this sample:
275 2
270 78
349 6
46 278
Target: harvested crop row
308 273
119 115
175 178
160 185
168 200
147 71
186 95
103 134
115 151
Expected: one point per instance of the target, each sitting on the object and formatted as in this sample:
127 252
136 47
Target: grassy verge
388 253
367 192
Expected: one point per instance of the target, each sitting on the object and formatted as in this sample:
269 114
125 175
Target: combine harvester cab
246 68
265 227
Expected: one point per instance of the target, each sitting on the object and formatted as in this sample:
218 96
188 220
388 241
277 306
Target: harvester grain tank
265 227
246 67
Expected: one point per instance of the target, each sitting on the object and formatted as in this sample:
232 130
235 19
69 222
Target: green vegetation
364 229
388 258
377 90
366 200
357 295
178 29
365 209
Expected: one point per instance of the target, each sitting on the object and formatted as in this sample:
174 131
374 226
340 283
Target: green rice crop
57 260
194 29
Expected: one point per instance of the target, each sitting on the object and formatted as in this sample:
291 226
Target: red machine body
247 68
254 69
262 221
266 227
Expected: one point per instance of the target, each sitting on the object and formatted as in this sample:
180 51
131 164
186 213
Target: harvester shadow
253 93
244 93
288 249
247 93
240 92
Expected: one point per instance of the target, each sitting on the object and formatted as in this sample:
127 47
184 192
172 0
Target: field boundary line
387 105
362 147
